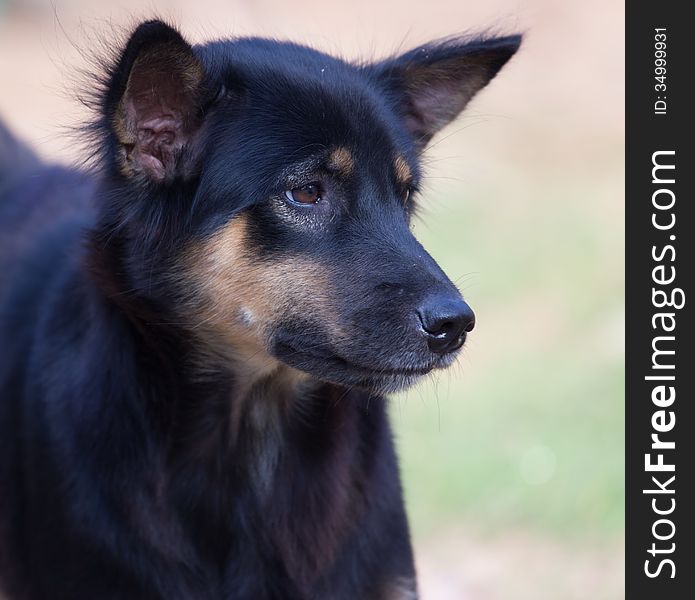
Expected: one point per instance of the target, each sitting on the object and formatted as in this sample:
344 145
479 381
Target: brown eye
307 194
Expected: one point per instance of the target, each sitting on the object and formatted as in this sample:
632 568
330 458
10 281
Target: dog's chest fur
277 485
260 414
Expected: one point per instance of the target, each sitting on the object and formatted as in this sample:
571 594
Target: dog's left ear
432 84
153 103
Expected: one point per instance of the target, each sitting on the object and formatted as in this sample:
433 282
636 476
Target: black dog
195 339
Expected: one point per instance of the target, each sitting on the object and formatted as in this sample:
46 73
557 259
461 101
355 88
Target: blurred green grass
527 431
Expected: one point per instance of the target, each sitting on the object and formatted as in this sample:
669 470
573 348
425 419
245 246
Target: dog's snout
445 322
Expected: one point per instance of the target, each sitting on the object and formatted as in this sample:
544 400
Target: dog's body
192 360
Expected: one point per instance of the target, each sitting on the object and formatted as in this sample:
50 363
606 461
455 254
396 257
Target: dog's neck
240 397
260 409
238 428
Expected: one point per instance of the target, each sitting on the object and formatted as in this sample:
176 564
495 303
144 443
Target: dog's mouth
326 364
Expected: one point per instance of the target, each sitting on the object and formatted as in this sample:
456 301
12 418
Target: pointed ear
432 84
153 103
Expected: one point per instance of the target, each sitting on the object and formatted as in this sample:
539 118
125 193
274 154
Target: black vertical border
647 133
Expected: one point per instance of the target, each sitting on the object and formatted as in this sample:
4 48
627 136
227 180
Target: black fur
140 460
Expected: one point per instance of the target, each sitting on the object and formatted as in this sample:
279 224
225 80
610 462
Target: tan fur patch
341 161
235 297
403 172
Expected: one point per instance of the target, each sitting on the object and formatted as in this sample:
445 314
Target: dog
197 334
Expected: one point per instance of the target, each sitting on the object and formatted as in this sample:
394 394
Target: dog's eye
307 194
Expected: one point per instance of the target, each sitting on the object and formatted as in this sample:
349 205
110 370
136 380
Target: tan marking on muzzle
235 297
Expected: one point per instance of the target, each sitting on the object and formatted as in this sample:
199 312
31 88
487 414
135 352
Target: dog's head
267 189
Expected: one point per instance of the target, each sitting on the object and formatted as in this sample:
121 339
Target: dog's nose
445 322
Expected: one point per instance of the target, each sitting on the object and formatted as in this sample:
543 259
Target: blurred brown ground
556 111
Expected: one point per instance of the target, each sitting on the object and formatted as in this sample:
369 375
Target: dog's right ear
154 103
